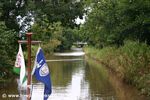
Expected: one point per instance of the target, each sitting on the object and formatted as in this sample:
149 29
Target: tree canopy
112 21
64 11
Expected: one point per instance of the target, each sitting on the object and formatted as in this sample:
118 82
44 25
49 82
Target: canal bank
129 63
123 91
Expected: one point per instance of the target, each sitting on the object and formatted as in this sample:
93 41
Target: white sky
80 21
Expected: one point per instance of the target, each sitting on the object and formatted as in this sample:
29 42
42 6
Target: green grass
131 62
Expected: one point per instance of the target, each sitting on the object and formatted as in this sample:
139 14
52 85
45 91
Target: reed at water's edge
130 62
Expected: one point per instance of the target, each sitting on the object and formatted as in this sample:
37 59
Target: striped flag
17 67
20 67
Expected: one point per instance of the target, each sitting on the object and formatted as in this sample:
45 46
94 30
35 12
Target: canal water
76 77
81 78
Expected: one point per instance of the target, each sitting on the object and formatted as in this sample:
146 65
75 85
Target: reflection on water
81 80
78 80
69 80
100 87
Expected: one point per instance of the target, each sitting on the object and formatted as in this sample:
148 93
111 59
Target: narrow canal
76 77
85 79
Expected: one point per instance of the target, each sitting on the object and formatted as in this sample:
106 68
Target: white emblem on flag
44 71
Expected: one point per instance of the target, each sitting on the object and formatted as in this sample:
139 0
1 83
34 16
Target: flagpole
29 64
28 42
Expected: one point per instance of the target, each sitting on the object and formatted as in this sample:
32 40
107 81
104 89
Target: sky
80 21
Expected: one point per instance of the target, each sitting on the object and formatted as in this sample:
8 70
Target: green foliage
131 62
9 9
8 48
51 11
66 40
64 11
135 21
101 26
54 36
49 34
109 22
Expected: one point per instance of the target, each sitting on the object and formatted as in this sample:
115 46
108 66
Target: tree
49 34
10 9
102 23
8 48
64 11
110 22
135 21
66 40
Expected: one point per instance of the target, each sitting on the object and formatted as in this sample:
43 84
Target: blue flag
41 72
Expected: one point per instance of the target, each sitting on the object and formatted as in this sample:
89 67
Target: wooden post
29 64
29 42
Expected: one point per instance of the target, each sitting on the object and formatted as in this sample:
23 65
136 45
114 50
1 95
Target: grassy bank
130 62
